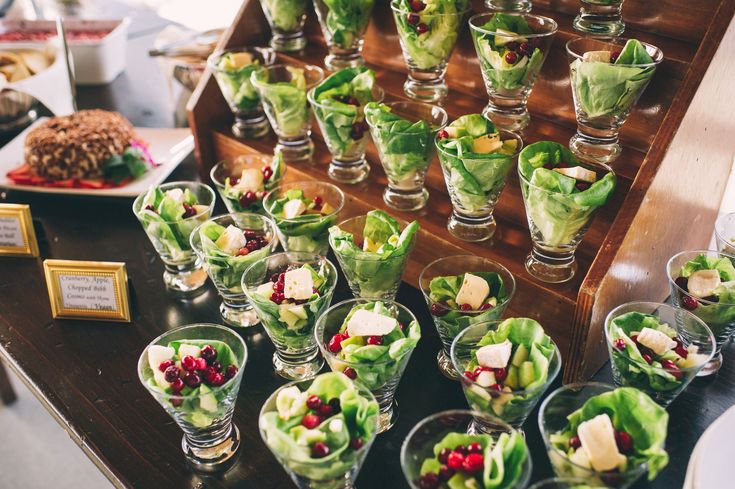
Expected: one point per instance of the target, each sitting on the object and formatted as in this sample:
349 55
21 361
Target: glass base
353 172
509 5
213 458
288 43
239 317
513 119
185 282
472 229
388 417
446 367
596 150
297 371
426 90
336 62
406 200
252 129
478 426
295 151
551 267
712 367
596 27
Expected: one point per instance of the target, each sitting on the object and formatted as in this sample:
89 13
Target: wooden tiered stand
678 151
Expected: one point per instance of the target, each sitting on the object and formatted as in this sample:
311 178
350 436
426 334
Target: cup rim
297 184
306 67
718 234
513 134
552 23
559 480
672 280
402 222
434 130
221 163
198 246
402 10
268 55
526 181
658 55
378 98
178 184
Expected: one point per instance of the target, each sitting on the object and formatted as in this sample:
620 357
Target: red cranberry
454 460
243 252
189 363
582 186
357 133
511 57
313 402
634 338
274 277
334 345
439 309
150 208
500 374
413 19
620 344
171 373
444 455
682 351
356 443
473 463
335 405
189 211
267 173
417 5
470 375
461 449
319 450
278 286
164 365
277 297
176 402
474 447
422 28
525 49
689 302
201 364
672 368
429 481
682 282
512 46
442 134
478 370
496 387
375 340
486 306
318 201
216 380
177 385
216 366
325 410
311 421
445 473
465 307
350 372
647 358
192 379
575 442
253 245
230 371
614 56
249 234
282 277
624 442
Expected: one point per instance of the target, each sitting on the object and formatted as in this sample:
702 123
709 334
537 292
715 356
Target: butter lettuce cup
320 430
607 436
444 451
343 24
507 366
600 18
243 182
286 19
194 373
703 283
371 343
657 348
303 213
169 213
460 291
725 233
289 291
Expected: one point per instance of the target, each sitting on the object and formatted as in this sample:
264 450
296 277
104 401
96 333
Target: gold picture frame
73 284
21 213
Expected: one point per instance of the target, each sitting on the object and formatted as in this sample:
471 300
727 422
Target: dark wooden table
84 372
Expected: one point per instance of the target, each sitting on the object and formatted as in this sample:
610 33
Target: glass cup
335 471
450 322
381 378
348 163
368 276
235 200
210 437
552 418
509 5
297 355
419 444
557 225
427 53
238 90
604 95
719 316
564 483
472 213
306 235
691 331
508 84
406 191
286 106
600 18
344 25
512 407
226 270
725 233
183 274
286 19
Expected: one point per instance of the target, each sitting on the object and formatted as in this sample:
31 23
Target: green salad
302 222
285 15
614 432
509 61
711 279
374 267
607 83
319 433
463 461
560 193
428 30
197 374
234 70
475 162
246 192
286 102
371 345
344 21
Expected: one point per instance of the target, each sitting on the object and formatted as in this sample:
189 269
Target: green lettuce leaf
345 21
286 15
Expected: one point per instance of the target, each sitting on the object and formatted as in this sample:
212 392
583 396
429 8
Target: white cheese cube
298 284
474 291
657 341
175 194
600 56
495 356
578 173
703 282
336 425
231 240
369 323
580 458
598 441
486 378
293 208
192 350
251 180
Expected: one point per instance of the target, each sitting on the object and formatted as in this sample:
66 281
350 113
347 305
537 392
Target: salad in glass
286 19
343 24
370 342
403 133
243 182
561 196
289 291
602 18
476 159
507 366
169 213
372 251
725 233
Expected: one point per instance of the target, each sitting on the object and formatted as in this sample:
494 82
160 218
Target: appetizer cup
290 327
308 233
210 437
510 64
381 376
604 95
436 434
509 5
564 483
183 274
226 176
600 18
407 154
427 42
332 458
237 89
511 405
663 379
719 315
286 19
450 322
225 268
725 233
283 91
343 25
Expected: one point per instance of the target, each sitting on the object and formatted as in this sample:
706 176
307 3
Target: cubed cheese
495 356
251 180
486 378
192 350
489 143
336 425
657 341
158 354
598 441
369 323
703 282
175 194
578 173
599 56
293 208
231 240
474 291
298 284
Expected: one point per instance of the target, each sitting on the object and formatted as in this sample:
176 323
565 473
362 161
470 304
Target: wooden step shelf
676 159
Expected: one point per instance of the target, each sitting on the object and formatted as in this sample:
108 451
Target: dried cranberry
682 282
201 364
465 307
313 402
454 460
277 297
375 340
356 443
647 358
525 49
189 211
325 410
208 353
278 286
476 373
620 344
500 374
311 421
274 277
486 306
461 449
445 473
318 200
177 385
247 198
417 5
253 245
512 46
429 481
216 366
614 56
422 28
511 57
689 302
413 19
319 450
164 365
474 447
575 442
192 379
682 351
150 208
230 371
267 173
350 372
624 442
171 373
189 363
444 455
496 387
582 186
470 375
250 234
216 380
473 463
439 309
442 134
334 345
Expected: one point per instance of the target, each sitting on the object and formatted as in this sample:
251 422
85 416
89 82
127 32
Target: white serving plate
169 147
711 460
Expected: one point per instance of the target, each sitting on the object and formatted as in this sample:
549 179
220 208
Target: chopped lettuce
308 232
234 81
287 16
285 102
232 194
344 22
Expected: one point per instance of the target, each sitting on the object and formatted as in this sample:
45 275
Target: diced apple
293 208
239 60
703 282
158 354
489 143
599 56
474 291
452 132
486 378
192 350
266 289
578 173
326 209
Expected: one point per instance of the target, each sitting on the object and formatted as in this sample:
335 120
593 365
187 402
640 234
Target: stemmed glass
343 25
510 65
600 18
563 483
725 233
286 19
509 5
248 201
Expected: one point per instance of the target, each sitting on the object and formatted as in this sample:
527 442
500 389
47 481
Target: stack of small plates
710 466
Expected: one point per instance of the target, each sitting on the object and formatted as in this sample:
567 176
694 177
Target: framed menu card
17 236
